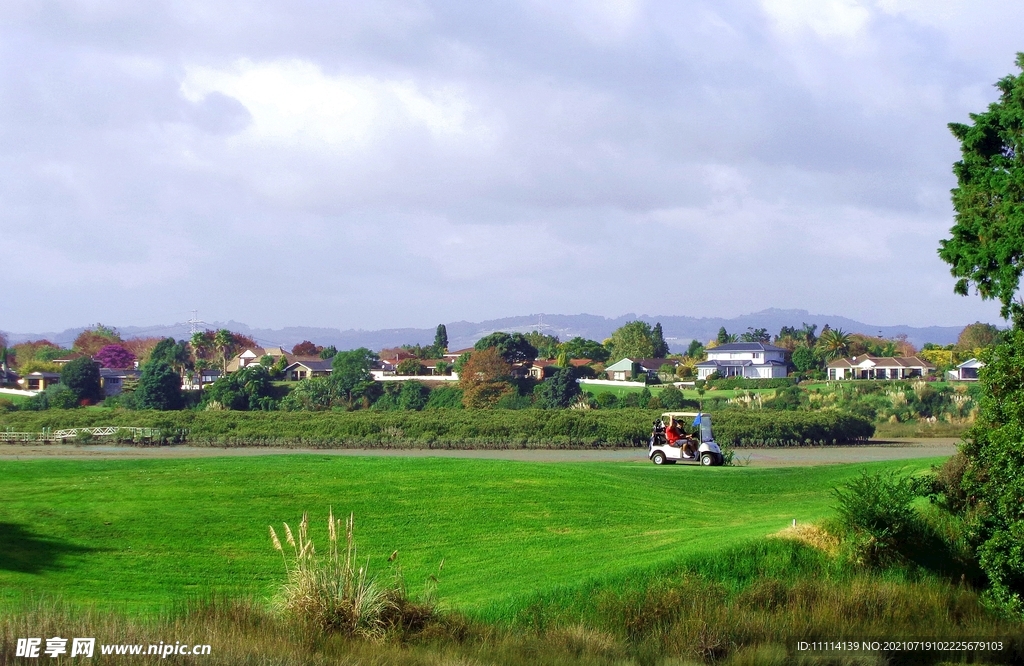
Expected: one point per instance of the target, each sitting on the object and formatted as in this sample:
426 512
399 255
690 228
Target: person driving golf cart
677 437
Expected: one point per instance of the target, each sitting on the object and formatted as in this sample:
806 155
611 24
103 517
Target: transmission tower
194 323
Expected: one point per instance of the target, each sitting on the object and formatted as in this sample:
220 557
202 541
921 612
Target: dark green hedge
744 383
530 428
741 428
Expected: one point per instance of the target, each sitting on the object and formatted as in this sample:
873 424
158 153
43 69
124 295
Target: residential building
875 367
541 368
112 381
966 371
307 368
629 368
39 381
751 360
253 355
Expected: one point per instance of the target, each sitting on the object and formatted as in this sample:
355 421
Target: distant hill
678 330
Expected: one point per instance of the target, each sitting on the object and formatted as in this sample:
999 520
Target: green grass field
143 535
13 397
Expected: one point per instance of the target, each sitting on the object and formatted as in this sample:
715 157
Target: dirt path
877 450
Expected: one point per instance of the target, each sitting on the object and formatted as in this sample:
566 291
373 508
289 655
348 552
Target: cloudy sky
366 164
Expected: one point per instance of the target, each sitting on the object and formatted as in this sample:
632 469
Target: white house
628 368
966 371
753 360
875 367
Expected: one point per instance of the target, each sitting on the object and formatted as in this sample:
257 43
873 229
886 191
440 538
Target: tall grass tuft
333 591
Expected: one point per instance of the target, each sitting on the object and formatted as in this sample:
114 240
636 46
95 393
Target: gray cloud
401 163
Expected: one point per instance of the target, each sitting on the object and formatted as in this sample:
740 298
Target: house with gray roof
308 367
751 360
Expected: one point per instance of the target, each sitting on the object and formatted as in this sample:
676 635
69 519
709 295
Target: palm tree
834 343
222 340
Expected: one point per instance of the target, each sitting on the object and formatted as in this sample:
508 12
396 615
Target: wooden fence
62 434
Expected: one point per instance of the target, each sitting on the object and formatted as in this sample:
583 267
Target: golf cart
697 432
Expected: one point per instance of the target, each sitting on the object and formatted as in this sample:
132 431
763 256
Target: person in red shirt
673 433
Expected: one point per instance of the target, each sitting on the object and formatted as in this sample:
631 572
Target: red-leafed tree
307 348
115 356
141 347
91 340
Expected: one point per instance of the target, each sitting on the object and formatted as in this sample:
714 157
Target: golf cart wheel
707 459
658 458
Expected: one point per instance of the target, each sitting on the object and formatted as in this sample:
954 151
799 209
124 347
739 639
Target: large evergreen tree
987 244
82 376
441 339
987 250
159 387
658 338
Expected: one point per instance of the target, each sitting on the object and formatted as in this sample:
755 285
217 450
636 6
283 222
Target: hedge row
745 383
740 428
450 428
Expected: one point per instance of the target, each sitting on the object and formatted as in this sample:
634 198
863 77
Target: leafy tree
485 378
93 339
413 396
583 348
513 347
82 376
445 397
804 359
441 339
558 390
174 354
547 346
755 335
141 348
834 343
159 387
987 244
994 474
695 350
249 389
635 339
987 250
313 395
460 363
724 337
658 339
790 337
351 372
115 356
37 366
443 368
306 348
977 336
328 352
409 366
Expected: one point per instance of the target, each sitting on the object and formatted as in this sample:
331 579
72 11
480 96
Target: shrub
877 511
744 383
445 397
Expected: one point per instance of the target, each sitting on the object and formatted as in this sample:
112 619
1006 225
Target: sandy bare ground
876 450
